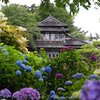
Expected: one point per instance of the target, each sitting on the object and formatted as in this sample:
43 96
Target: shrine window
52 37
61 37
46 37
56 37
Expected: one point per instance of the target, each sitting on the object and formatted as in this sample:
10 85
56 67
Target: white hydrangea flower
2 14
23 38
22 29
1 31
19 40
97 71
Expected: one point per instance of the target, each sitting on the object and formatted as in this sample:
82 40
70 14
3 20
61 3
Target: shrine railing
49 43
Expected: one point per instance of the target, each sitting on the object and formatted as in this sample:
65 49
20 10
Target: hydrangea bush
59 79
16 68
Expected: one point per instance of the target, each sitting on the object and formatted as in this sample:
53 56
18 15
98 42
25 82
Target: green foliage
20 16
35 60
8 78
5 1
68 63
59 13
8 57
88 50
75 5
96 44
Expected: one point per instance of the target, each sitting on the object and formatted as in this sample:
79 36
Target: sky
88 20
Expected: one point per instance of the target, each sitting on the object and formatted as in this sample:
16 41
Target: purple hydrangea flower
38 74
93 57
5 93
18 73
90 90
59 75
27 93
48 69
16 95
78 75
68 83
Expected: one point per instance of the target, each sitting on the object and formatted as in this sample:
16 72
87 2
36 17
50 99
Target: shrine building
54 36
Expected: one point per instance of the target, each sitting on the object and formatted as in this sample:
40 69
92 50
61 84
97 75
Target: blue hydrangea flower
68 83
5 93
62 98
94 76
19 62
18 73
90 90
52 95
78 75
48 69
38 74
52 92
42 69
23 66
28 68
25 61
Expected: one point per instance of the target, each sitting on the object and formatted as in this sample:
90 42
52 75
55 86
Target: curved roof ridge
51 21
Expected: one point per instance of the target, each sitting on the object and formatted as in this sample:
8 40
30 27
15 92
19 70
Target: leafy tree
18 15
73 5
59 13
5 1
32 8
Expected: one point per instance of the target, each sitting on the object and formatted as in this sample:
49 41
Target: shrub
12 35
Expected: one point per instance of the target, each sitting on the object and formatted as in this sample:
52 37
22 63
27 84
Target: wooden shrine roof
49 29
51 21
